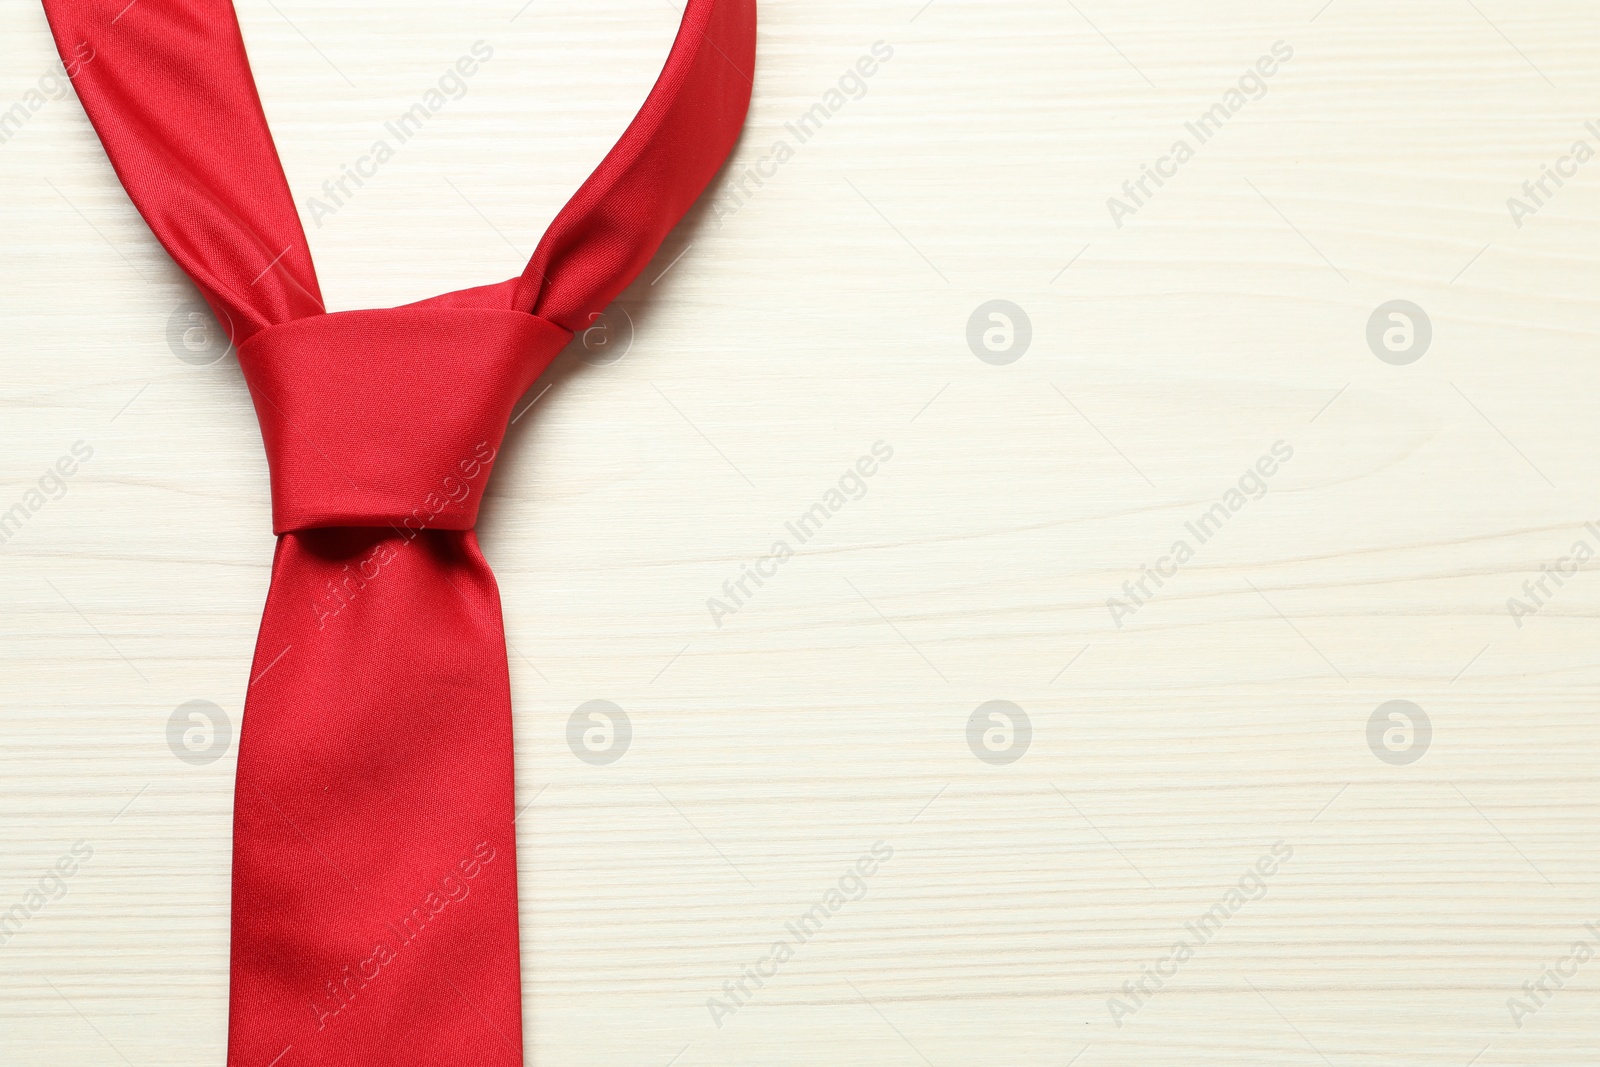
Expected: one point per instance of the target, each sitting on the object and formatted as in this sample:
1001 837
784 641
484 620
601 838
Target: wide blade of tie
375 867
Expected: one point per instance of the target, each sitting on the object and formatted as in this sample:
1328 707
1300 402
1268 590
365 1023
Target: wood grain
786 328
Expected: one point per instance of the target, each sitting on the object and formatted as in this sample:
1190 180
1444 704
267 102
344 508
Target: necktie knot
390 417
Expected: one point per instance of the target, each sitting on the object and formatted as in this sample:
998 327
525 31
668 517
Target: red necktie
374 856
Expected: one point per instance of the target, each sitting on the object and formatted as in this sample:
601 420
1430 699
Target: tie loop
390 417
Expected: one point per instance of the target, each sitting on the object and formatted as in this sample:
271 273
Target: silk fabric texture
374 852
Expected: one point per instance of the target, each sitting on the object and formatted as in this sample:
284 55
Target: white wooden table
1213 725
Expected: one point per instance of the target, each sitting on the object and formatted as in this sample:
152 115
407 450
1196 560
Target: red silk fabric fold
374 881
